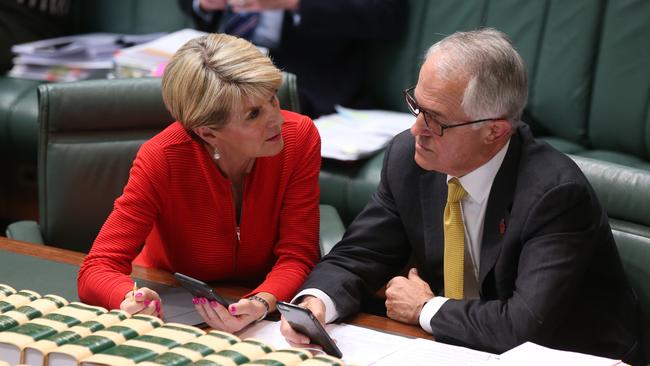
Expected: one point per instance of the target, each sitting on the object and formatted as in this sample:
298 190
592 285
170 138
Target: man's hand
317 308
406 296
260 5
212 5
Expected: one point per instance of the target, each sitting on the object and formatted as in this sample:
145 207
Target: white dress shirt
477 184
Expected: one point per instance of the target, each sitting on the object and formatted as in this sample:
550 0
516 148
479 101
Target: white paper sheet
360 346
352 134
532 354
424 352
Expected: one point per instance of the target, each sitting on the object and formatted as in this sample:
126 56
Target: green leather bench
623 191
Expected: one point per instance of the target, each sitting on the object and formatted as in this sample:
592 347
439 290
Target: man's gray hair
498 84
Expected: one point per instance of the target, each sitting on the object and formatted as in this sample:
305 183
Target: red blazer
180 207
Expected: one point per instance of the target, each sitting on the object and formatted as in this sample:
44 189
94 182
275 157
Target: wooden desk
52 254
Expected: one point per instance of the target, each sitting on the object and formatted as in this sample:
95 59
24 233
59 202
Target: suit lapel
497 213
434 195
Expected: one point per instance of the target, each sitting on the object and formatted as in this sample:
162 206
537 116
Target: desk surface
30 266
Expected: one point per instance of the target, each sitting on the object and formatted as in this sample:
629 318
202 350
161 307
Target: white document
425 352
532 354
80 61
168 44
352 134
69 45
150 55
360 346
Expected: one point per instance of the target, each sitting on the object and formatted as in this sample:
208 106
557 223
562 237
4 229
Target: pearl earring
216 155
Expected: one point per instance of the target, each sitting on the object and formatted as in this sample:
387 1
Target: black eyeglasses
430 122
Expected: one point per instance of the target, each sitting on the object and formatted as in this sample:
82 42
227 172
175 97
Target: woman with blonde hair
228 192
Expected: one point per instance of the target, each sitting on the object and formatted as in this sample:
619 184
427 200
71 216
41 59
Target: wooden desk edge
156 275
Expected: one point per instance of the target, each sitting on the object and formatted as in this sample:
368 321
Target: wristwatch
264 302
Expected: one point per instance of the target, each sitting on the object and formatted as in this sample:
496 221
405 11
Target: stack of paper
150 58
354 134
363 346
72 57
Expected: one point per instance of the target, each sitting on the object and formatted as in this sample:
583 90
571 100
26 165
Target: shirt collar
474 182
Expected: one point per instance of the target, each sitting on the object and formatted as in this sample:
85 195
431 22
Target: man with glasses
508 240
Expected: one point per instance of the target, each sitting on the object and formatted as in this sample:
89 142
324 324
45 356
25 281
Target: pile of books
48 330
71 58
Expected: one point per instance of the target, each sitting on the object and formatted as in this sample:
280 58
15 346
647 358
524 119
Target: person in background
319 41
228 192
24 21
508 239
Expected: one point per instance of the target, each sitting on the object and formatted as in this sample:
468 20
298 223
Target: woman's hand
236 316
144 301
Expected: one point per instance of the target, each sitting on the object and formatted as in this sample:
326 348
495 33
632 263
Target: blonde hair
210 75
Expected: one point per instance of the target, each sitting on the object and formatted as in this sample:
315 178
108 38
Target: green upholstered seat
635 255
625 193
348 186
18 123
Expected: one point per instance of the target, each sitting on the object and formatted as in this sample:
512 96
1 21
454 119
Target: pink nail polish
195 301
157 306
214 304
204 300
138 295
147 302
233 309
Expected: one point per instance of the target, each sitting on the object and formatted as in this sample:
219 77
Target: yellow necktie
454 241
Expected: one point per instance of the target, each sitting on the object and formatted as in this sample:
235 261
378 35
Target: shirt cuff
331 313
429 310
206 16
296 19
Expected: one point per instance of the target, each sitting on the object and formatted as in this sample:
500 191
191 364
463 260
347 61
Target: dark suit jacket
326 50
553 277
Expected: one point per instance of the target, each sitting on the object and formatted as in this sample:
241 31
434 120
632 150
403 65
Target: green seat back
620 114
90 133
635 255
130 16
623 192
558 41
